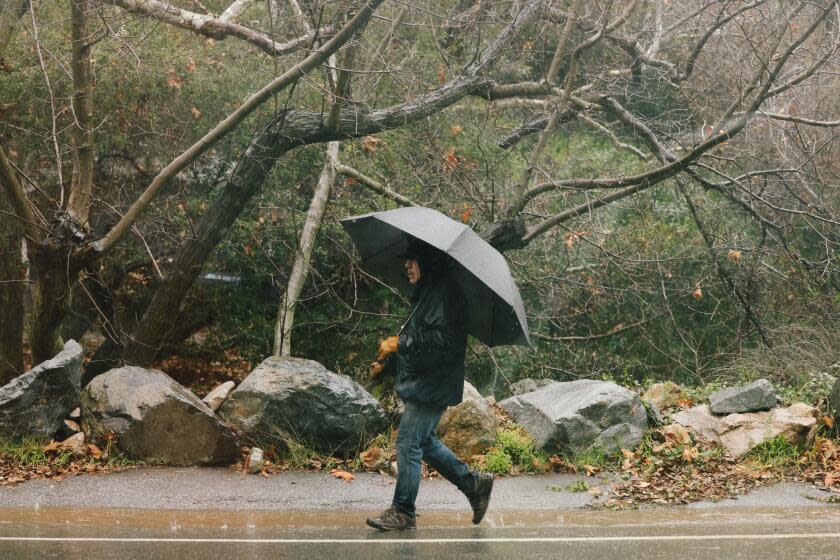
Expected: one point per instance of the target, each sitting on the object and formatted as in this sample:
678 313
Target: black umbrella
497 316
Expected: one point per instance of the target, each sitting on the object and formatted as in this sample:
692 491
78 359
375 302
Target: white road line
637 538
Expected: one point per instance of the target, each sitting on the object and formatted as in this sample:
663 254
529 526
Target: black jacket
432 343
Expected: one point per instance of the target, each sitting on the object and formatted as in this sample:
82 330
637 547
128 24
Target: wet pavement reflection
747 533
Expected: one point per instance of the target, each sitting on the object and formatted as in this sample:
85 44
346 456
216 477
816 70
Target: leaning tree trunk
300 268
247 179
12 293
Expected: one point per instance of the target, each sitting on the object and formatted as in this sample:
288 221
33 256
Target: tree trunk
12 292
247 179
81 133
52 301
300 269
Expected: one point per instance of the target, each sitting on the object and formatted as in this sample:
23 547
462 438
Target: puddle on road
261 524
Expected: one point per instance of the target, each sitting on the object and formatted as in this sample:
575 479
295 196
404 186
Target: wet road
723 533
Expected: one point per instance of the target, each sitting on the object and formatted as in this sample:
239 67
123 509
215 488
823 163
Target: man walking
428 356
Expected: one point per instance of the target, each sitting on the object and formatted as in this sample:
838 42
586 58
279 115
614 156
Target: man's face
413 270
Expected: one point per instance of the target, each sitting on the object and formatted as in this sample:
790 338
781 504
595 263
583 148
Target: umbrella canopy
497 315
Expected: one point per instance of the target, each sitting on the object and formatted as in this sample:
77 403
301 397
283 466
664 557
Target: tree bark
78 205
12 293
300 269
54 270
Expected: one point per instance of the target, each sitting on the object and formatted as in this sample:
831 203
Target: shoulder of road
225 489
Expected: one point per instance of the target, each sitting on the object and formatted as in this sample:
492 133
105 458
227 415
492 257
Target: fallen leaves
343 475
57 462
670 467
371 457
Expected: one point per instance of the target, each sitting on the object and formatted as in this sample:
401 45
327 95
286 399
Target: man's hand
388 346
375 369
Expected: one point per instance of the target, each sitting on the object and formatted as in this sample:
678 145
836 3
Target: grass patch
578 486
592 460
776 453
33 458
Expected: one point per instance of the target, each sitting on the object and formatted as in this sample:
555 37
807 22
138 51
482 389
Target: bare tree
636 75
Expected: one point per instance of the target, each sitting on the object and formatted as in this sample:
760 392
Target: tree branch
231 121
374 185
13 189
217 28
799 120
234 10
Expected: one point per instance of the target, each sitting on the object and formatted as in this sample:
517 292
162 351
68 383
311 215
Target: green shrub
498 462
514 449
517 444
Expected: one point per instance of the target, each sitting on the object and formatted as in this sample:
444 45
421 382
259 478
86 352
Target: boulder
664 395
471 393
37 402
700 420
528 385
739 433
300 399
217 396
155 419
468 428
581 415
758 395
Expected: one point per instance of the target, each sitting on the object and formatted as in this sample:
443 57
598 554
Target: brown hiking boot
480 498
392 519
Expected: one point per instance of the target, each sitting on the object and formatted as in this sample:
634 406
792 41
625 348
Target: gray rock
758 395
581 415
217 396
256 460
528 385
37 402
654 415
300 399
155 419
471 393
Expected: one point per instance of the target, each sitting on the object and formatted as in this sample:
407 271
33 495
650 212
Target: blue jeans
416 440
